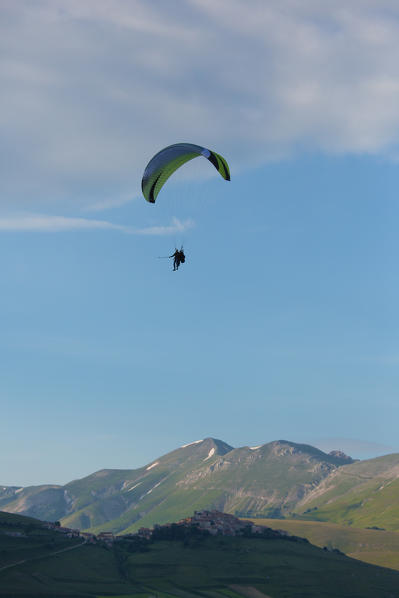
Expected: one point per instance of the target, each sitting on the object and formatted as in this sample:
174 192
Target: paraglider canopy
168 160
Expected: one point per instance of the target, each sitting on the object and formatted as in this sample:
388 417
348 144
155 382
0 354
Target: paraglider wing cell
168 160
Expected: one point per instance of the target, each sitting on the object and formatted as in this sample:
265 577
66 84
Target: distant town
211 522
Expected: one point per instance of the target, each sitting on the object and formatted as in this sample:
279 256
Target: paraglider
165 163
168 160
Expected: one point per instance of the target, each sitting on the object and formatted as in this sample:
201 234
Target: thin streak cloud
35 223
54 224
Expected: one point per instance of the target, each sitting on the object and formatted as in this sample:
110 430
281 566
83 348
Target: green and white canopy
168 160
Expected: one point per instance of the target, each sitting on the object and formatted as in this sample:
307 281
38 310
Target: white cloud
35 223
90 90
44 223
177 226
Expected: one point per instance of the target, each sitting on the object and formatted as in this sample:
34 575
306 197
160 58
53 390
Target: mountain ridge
279 479
268 479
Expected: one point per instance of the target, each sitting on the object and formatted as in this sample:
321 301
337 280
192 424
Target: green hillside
211 567
377 547
25 538
41 502
364 494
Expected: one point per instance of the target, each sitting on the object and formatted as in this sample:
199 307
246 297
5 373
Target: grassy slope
11 520
46 574
85 571
369 505
371 546
35 540
99 494
174 506
42 502
364 494
278 568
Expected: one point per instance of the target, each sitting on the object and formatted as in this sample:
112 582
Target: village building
107 537
214 522
144 532
217 522
69 532
90 538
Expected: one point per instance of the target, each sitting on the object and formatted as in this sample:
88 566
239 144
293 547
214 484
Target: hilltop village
205 522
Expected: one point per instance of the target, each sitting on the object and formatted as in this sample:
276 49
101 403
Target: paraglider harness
179 258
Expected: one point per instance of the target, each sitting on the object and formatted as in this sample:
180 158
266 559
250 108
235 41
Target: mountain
363 494
267 480
8 493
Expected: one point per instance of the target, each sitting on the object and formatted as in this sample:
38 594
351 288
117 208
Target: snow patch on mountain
211 452
135 486
190 443
67 498
153 488
153 465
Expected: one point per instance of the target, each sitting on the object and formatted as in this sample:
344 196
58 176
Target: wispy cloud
177 226
91 90
35 223
54 224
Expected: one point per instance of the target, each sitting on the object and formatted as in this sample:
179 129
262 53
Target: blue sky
283 322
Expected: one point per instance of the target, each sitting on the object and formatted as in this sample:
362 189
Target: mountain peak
191 443
345 459
221 447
